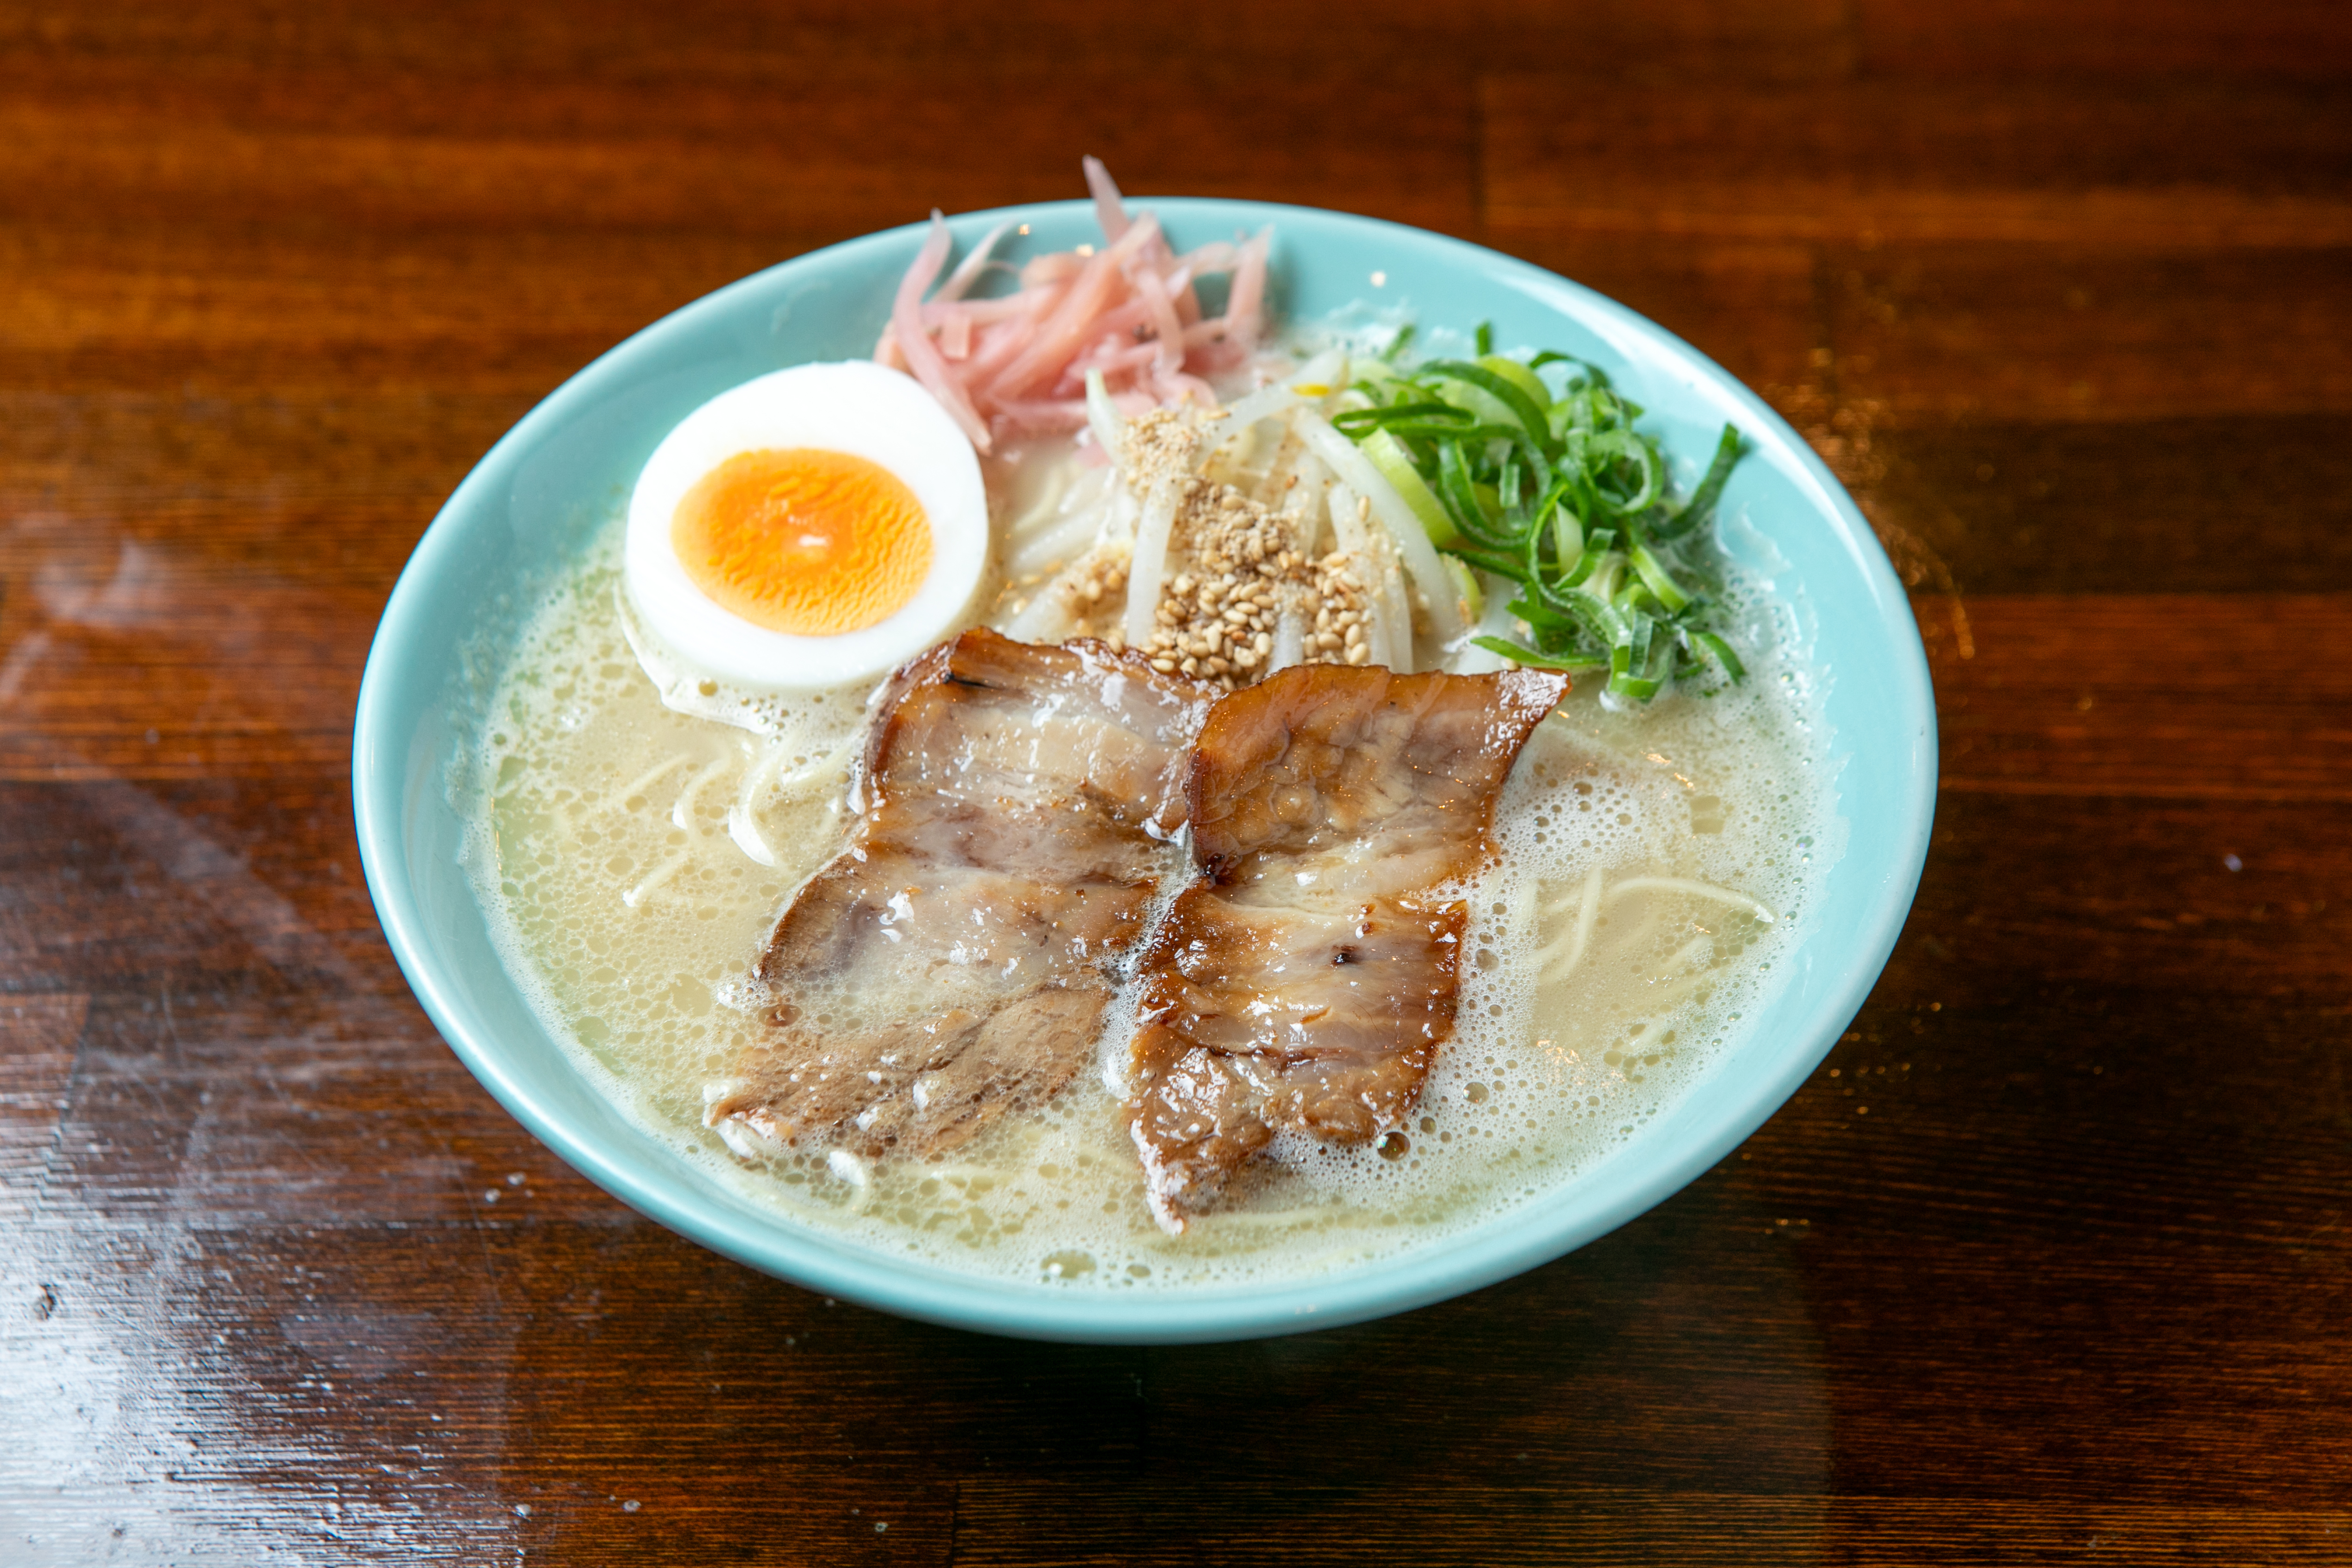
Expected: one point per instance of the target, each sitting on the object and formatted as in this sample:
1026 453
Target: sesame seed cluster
1104 577
1158 448
1235 568
1216 621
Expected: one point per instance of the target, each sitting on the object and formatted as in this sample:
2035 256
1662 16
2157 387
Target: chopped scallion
1562 495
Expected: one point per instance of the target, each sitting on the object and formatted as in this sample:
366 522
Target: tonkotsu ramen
1111 792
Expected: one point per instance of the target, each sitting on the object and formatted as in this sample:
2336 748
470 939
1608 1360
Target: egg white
857 407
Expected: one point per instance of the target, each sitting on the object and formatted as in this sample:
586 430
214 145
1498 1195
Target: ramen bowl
533 504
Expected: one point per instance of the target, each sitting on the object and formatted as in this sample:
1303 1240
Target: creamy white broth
614 848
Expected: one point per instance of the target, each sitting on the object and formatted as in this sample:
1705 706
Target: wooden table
2050 1258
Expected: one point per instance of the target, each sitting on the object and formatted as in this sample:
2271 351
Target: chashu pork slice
1015 804
1306 979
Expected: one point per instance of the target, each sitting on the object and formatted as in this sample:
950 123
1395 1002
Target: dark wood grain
2052 1258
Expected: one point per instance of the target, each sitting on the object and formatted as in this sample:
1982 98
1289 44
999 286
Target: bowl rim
667 1190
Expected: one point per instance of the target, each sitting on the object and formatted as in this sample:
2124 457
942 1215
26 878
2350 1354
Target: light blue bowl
542 491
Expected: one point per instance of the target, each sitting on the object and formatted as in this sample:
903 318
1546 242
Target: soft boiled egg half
812 527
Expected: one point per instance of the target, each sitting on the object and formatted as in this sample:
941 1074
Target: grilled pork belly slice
953 963
1308 979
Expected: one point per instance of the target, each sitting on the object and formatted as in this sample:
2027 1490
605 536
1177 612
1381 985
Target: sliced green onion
1601 580
1658 580
1567 663
1406 428
1514 399
1593 375
1564 496
1568 535
1623 681
1425 411
1395 464
1592 618
1487 560
1625 446
1550 625
1454 488
1722 652
1518 375
1701 505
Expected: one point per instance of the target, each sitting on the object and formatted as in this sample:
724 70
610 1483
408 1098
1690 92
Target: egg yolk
805 542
